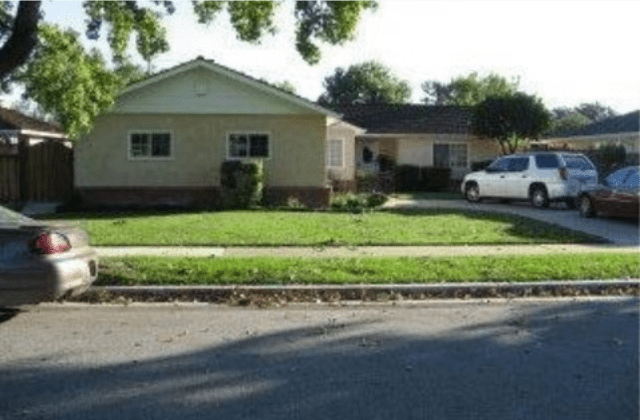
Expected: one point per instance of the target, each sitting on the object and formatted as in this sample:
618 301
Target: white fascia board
333 122
234 76
46 134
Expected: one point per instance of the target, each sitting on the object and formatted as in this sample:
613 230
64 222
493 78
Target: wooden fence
43 172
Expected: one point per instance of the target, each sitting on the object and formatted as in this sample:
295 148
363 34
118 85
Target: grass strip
295 228
269 270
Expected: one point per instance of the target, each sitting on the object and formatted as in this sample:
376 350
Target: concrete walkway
361 251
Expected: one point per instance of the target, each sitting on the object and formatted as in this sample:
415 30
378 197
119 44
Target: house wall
201 91
104 173
346 174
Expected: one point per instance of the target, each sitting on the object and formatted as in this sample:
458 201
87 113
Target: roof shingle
409 118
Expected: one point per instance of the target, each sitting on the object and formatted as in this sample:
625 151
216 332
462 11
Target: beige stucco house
418 135
167 136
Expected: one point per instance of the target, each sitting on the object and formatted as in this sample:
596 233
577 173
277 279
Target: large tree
566 119
368 82
24 49
511 120
468 90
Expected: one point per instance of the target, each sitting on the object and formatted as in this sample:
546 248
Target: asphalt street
569 358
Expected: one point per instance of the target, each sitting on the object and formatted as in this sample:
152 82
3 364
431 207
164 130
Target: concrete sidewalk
362 251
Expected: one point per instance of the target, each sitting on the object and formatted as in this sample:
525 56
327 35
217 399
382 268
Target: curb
237 294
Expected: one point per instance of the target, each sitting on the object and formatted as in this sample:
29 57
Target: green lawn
307 228
217 271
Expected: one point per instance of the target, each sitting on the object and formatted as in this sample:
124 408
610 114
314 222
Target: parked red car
617 197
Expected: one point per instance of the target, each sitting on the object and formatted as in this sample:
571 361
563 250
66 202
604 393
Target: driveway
616 231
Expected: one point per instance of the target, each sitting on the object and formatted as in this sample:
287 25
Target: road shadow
578 360
8 313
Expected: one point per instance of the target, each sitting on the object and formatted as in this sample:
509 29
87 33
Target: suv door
492 182
517 179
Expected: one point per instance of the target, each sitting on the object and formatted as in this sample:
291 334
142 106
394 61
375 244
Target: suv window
500 165
577 162
518 164
547 161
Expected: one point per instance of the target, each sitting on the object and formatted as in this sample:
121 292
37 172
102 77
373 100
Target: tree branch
23 39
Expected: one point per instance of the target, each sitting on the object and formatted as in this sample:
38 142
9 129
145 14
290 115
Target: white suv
540 177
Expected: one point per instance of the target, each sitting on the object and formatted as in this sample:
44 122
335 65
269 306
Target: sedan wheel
586 208
539 198
472 193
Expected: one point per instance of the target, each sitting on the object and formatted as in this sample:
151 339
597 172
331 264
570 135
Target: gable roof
627 123
201 62
409 118
11 119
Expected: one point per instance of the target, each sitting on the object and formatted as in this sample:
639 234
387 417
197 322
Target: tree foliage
74 93
566 119
468 90
368 82
510 120
75 85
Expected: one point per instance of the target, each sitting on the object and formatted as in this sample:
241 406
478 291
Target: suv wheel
586 208
539 197
472 193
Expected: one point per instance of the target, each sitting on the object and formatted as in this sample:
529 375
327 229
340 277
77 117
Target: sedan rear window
546 161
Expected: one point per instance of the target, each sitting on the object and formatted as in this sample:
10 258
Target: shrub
357 202
242 183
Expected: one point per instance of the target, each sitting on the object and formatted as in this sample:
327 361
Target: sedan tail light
51 243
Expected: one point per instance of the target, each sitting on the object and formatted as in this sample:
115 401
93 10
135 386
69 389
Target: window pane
617 178
237 145
546 161
577 162
518 164
499 165
161 145
139 145
633 179
335 153
441 155
259 146
458 155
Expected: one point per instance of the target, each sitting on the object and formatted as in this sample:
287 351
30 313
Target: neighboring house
167 136
621 130
36 160
15 126
421 135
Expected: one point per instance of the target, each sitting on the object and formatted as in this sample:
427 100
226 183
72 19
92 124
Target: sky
565 52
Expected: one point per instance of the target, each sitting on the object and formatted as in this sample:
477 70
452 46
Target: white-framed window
150 145
450 155
335 153
248 145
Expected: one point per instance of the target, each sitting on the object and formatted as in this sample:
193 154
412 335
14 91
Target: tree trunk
18 47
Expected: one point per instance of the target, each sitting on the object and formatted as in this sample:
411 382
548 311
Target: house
419 135
620 130
36 160
165 139
16 126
